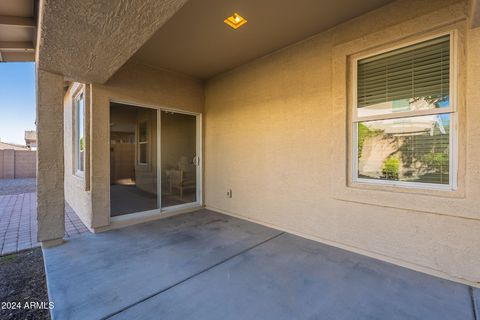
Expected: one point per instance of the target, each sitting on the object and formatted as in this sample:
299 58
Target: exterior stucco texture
50 157
276 133
205 265
134 84
101 35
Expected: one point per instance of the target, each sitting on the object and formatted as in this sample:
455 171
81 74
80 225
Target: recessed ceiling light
235 21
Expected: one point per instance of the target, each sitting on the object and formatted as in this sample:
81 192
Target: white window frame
76 131
452 110
146 143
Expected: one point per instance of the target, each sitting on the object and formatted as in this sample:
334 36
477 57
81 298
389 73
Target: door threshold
131 219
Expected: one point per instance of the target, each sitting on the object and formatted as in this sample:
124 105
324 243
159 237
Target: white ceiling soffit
196 41
17 30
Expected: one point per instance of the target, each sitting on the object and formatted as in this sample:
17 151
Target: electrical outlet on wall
229 193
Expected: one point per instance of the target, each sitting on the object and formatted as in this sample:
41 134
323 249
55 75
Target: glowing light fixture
235 21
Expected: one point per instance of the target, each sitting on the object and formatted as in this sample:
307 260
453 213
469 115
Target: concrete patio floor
206 265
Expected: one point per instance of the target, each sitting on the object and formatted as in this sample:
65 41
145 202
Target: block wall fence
18 164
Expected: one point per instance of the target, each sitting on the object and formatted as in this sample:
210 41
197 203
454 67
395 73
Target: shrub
363 133
390 169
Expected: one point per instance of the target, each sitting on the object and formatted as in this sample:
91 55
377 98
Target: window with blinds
403 114
79 134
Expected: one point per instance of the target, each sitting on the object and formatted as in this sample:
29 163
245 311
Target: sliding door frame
198 154
199 168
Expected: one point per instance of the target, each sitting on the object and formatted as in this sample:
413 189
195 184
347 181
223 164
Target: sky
17 100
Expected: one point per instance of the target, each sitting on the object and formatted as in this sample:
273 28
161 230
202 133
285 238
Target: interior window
142 143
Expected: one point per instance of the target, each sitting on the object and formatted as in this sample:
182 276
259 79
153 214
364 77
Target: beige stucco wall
276 134
50 158
77 193
133 84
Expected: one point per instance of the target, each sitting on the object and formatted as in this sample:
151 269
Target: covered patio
319 162
206 265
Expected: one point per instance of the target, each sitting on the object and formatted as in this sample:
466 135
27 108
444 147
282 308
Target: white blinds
417 71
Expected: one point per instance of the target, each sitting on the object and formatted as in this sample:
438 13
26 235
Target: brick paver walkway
18 222
16 186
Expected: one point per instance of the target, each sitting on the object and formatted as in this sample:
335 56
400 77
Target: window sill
383 186
448 203
79 175
453 203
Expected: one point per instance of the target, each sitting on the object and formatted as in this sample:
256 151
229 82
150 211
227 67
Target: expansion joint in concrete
475 307
193 275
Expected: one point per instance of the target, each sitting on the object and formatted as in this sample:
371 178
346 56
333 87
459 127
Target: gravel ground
17 186
23 287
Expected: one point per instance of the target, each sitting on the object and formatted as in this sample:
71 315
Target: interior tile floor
205 265
174 199
126 199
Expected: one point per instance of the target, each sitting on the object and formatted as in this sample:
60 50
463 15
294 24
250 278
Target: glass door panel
178 158
133 159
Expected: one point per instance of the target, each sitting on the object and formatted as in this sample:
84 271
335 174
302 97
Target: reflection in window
403 114
414 149
79 111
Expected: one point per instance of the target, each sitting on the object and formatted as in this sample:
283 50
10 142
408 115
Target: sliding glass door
133 159
179 159
152 150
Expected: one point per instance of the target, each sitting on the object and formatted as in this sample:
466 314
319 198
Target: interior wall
134 84
122 136
274 133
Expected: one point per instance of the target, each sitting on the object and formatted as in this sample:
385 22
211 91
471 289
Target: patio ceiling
196 41
180 35
17 30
